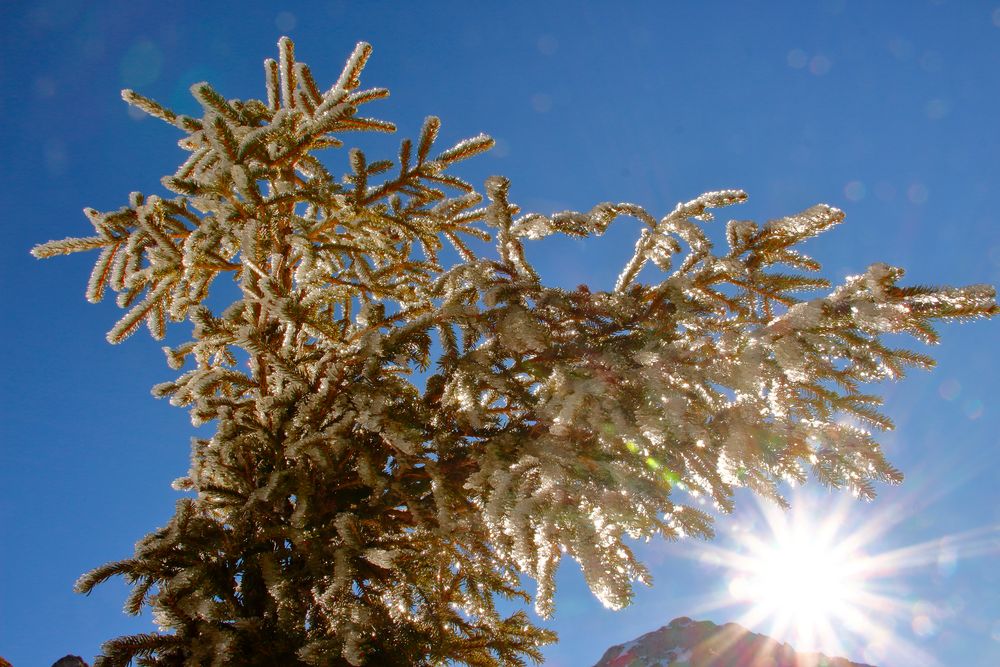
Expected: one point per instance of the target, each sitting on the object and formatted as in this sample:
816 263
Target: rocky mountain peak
687 643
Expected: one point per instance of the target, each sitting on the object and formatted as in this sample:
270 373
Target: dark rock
69 661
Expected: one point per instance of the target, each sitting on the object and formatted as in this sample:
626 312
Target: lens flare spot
855 190
141 64
950 389
797 59
917 193
947 561
923 626
974 408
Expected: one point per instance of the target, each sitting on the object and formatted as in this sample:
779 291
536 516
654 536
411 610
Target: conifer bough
407 435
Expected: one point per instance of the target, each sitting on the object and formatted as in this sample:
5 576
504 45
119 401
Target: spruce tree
400 437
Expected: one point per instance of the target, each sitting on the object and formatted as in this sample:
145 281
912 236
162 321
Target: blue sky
887 110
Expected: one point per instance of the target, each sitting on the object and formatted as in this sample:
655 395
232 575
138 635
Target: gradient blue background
888 110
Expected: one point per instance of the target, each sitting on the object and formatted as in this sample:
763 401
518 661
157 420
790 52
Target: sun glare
814 577
800 578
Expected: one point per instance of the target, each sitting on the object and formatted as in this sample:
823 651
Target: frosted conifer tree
397 438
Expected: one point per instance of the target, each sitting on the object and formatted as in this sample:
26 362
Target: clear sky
889 110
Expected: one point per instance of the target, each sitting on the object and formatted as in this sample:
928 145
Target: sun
819 575
803 577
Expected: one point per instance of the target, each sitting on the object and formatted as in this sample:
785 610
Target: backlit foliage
399 437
